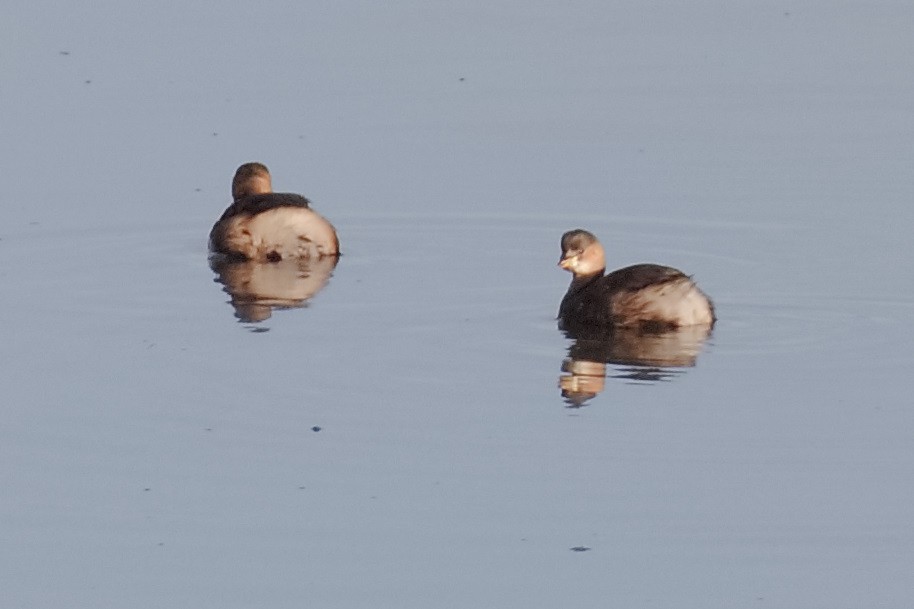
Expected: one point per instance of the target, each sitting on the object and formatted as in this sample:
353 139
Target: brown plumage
648 296
264 226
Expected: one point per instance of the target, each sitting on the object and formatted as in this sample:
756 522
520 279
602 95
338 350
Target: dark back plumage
255 204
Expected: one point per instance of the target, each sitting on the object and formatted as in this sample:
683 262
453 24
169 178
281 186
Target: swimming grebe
648 296
267 226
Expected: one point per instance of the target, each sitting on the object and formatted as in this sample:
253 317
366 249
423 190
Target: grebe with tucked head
267 226
648 296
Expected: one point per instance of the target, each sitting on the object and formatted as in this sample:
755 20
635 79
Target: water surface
399 437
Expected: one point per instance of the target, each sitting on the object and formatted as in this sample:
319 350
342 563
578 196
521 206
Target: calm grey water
399 438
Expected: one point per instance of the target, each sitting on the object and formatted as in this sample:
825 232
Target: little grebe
649 296
267 226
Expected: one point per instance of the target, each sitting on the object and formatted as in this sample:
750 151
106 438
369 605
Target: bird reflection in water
257 288
640 355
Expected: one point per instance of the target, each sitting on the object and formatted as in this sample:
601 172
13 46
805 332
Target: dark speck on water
580 549
316 428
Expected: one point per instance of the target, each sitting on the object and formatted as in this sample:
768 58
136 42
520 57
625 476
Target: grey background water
155 451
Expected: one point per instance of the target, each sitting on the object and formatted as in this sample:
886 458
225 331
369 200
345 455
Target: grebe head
251 179
582 254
